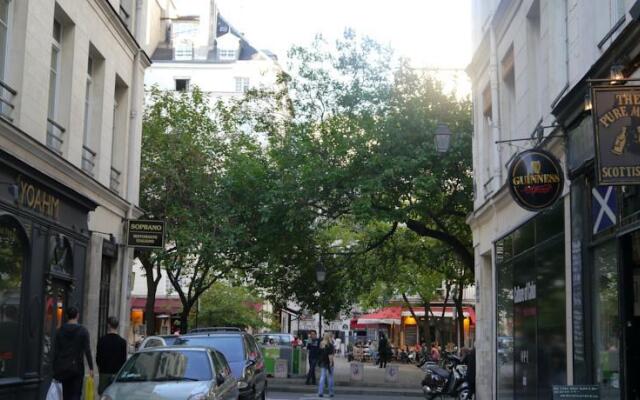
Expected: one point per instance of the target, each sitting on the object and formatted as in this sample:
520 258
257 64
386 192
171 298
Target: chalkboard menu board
576 392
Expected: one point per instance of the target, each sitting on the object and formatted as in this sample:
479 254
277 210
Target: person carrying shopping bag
326 364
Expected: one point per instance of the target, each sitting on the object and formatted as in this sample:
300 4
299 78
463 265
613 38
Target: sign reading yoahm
616 121
146 234
535 179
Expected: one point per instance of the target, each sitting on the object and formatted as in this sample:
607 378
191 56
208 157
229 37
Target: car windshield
230 346
166 365
274 339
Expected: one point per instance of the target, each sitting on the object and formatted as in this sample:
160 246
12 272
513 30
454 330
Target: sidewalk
372 383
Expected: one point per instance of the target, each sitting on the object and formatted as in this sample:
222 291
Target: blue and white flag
604 207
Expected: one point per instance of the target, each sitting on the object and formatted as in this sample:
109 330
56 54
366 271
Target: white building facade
72 76
199 47
552 301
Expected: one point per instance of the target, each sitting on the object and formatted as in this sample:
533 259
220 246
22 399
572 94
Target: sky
432 33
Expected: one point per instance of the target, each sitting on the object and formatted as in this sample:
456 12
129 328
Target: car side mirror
219 379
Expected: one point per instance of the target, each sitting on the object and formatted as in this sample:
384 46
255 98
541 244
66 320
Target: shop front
603 162
530 308
43 249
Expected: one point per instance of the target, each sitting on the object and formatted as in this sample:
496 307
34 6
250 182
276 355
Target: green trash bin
270 354
295 365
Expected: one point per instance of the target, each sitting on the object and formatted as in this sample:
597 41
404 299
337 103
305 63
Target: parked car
282 339
174 373
242 353
157 341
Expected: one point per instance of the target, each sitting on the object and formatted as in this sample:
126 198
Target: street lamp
321 272
442 138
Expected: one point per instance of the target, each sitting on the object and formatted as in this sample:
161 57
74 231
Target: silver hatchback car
174 373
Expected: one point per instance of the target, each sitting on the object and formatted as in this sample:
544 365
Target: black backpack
67 362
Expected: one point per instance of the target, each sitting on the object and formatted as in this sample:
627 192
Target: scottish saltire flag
604 207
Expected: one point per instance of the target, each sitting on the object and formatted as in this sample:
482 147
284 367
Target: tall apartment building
557 302
71 77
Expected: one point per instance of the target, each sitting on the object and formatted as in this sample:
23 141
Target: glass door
631 313
55 305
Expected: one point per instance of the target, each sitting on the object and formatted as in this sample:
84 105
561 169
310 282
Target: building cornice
60 169
127 38
480 58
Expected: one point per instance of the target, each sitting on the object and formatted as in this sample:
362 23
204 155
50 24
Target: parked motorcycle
447 381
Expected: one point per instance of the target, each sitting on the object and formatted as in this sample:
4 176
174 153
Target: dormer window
227 54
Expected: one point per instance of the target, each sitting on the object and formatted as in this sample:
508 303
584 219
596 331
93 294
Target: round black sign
535 179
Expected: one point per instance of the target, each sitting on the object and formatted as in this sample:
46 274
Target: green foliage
350 160
227 305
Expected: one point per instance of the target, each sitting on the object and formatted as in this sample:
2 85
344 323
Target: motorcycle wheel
464 394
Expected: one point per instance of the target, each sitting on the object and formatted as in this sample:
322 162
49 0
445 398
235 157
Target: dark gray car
243 355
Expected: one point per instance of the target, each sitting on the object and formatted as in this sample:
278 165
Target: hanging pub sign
616 121
535 179
146 234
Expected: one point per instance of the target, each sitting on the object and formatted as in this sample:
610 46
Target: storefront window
606 327
12 251
531 333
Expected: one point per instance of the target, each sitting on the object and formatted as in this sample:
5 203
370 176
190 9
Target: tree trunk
184 317
426 325
152 287
413 314
460 313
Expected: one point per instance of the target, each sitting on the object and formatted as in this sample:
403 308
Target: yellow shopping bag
89 390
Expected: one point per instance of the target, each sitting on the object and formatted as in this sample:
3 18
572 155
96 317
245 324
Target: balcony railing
114 181
7 93
88 160
55 133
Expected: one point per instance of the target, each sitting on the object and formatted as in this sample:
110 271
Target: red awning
355 326
386 316
162 305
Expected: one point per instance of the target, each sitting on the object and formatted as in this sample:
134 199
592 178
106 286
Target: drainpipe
496 168
133 162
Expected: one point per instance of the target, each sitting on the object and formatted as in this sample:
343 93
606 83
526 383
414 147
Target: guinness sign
616 121
535 179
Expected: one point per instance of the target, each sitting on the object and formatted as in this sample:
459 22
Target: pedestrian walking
313 349
384 350
110 355
326 364
435 352
71 343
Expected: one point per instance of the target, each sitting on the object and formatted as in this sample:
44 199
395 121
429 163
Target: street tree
357 145
226 304
183 182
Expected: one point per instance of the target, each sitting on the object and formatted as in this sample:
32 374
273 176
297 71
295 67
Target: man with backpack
71 343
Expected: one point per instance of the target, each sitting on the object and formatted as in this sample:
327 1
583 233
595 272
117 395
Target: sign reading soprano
535 179
616 121
146 234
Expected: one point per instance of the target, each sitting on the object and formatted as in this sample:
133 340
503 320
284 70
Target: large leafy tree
184 180
355 148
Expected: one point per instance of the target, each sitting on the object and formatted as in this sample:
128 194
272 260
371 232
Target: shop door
631 314
55 306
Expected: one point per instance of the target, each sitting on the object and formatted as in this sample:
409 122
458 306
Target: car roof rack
215 329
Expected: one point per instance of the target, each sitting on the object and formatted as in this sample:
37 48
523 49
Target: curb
354 390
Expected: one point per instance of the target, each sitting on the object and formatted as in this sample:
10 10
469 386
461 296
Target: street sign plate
146 234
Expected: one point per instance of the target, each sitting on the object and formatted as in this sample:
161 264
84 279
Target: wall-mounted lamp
616 73
588 105
443 138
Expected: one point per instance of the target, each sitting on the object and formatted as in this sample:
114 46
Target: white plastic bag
55 391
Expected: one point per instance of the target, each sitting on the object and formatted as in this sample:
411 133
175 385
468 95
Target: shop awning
386 316
162 305
449 312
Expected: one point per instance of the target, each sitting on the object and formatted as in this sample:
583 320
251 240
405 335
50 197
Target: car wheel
464 395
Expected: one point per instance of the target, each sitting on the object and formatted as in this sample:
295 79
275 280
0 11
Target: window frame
4 47
11 222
